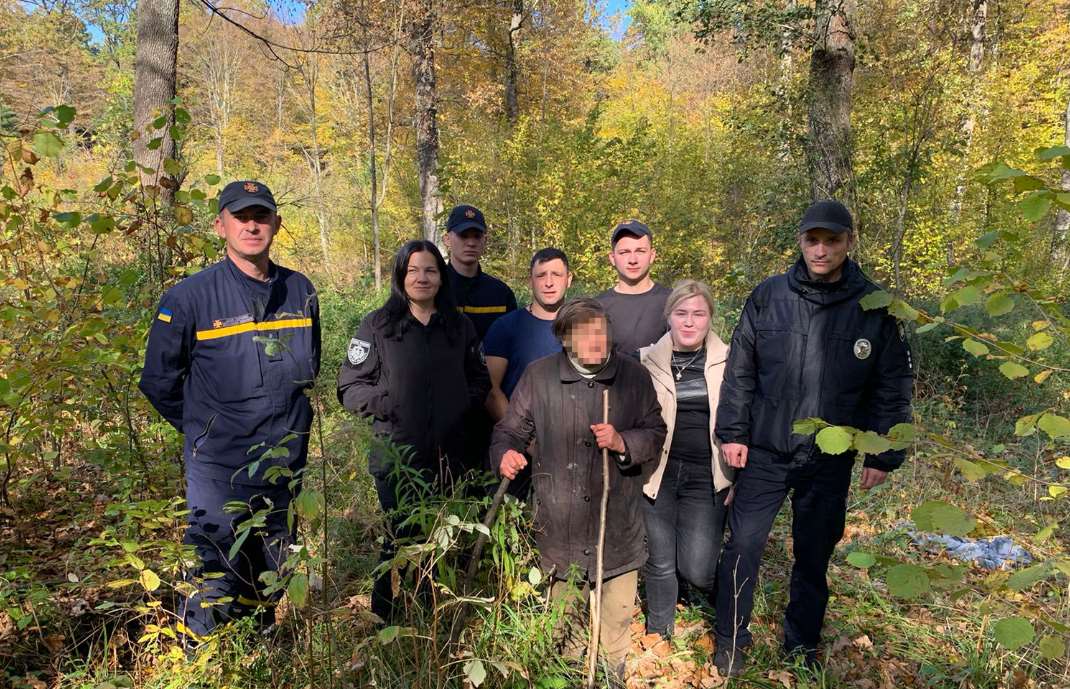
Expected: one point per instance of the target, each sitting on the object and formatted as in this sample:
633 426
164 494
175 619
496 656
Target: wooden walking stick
596 604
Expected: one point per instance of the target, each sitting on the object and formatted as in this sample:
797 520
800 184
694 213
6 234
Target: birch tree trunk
422 48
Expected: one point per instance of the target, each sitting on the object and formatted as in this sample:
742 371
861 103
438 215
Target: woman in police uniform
414 367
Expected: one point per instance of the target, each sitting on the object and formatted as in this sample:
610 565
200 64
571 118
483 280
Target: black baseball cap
465 217
245 193
632 227
827 215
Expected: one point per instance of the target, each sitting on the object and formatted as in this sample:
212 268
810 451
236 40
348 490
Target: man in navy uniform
481 297
230 355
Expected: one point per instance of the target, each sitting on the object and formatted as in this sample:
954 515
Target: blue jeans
819 509
684 528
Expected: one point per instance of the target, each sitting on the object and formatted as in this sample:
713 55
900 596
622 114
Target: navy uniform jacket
228 362
483 298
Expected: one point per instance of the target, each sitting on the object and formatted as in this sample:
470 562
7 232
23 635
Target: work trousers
818 489
227 588
618 605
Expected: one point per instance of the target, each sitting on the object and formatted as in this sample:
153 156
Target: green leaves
1051 648
149 579
999 304
834 440
861 559
1013 632
871 443
475 672
1054 425
1026 578
907 581
974 347
297 589
875 300
1013 370
47 144
941 517
1039 341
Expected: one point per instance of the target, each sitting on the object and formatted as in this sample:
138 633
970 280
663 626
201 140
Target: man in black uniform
636 304
230 355
484 299
803 348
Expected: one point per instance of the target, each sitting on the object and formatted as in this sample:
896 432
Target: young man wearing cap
481 297
230 355
804 348
636 304
525 335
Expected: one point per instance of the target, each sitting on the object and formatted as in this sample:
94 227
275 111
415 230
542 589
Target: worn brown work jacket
555 405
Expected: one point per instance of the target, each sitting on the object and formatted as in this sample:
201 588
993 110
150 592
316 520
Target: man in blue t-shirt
522 336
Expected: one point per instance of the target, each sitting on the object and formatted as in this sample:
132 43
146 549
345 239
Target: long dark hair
396 309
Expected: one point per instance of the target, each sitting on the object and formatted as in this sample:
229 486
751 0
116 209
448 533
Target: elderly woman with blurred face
687 492
559 403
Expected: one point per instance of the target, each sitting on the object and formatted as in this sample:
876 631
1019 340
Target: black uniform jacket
807 349
416 385
554 404
228 363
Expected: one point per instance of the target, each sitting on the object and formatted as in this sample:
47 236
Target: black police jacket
228 362
807 349
416 384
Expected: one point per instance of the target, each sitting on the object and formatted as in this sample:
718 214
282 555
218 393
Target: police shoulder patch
358 351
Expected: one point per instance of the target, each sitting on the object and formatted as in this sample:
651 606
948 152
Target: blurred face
549 282
467 247
588 342
632 256
248 232
689 322
422 278
824 252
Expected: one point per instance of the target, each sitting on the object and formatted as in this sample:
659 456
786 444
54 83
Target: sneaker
730 661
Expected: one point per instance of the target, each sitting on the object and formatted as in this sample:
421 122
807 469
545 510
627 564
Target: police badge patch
863 348
358 351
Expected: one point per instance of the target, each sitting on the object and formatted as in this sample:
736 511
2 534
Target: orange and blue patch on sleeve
165 315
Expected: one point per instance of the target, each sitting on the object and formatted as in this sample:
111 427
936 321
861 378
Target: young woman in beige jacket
686 493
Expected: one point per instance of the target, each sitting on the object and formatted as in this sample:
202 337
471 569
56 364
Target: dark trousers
389 488
684 530
819 507
226 587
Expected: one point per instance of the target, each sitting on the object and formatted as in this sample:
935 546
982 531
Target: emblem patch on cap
863 348
469 213
250 187
358 351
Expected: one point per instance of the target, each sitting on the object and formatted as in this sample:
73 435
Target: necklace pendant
679 374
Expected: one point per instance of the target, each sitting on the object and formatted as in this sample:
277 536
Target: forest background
943 124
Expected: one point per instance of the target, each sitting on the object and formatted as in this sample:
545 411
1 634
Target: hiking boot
730 661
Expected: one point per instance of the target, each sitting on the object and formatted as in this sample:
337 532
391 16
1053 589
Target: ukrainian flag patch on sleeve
165 315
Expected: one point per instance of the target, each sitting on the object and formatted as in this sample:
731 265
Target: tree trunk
978 21
422 47
512 68
154 89
372 172
832 65
1061 236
